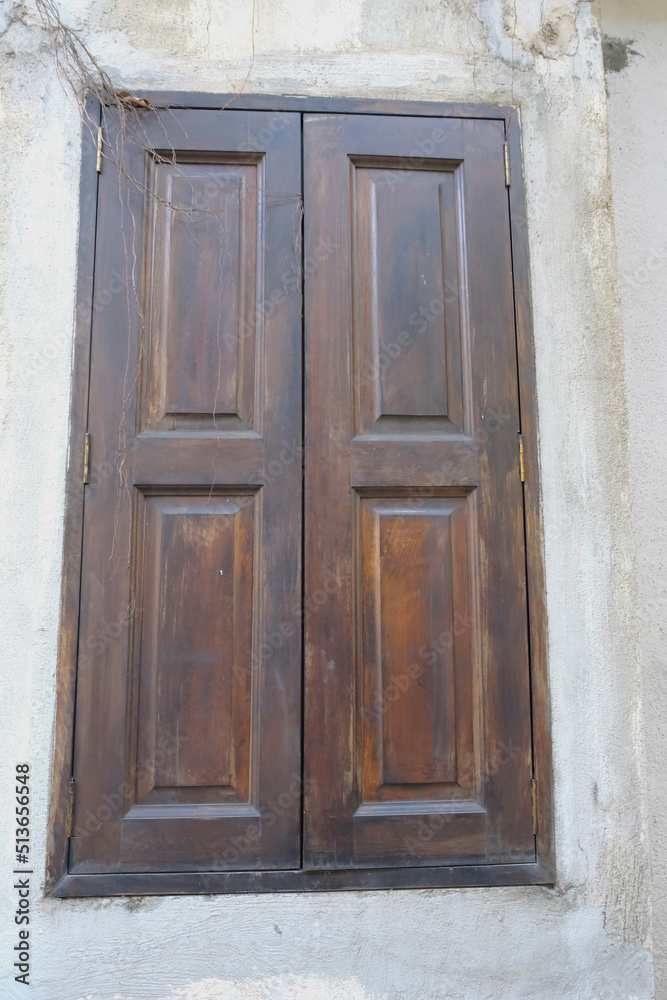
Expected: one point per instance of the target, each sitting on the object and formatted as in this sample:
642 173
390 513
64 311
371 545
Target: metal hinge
99 149
70 808
522 466
533 799
507 165
86 458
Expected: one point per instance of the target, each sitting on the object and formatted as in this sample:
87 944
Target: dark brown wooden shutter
416 732
189 683
417 716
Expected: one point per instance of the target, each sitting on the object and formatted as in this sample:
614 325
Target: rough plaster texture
638 140
590 937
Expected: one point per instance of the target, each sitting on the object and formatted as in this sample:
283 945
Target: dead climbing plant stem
81 73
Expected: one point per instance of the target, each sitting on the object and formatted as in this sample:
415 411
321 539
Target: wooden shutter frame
59 882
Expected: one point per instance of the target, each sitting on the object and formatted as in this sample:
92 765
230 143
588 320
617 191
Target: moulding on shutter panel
230 185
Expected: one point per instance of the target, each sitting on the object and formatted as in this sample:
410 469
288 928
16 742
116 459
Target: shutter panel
189 683
417 709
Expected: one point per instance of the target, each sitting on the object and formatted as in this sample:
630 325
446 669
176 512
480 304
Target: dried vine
80 72
82 75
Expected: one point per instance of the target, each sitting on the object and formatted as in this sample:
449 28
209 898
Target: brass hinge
70 808
99 149
86 458
533 799
507 165
521 461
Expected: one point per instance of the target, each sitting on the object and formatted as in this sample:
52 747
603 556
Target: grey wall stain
616 53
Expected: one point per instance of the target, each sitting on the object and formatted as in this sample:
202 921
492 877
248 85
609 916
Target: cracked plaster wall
588 938
636 58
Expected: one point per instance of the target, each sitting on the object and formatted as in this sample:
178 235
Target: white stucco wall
590 937
638 140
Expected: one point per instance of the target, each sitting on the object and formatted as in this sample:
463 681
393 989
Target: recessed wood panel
195 657
406 259
202 310
416 642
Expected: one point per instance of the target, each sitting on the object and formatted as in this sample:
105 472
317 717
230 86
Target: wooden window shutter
188 717
417 698
303 648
